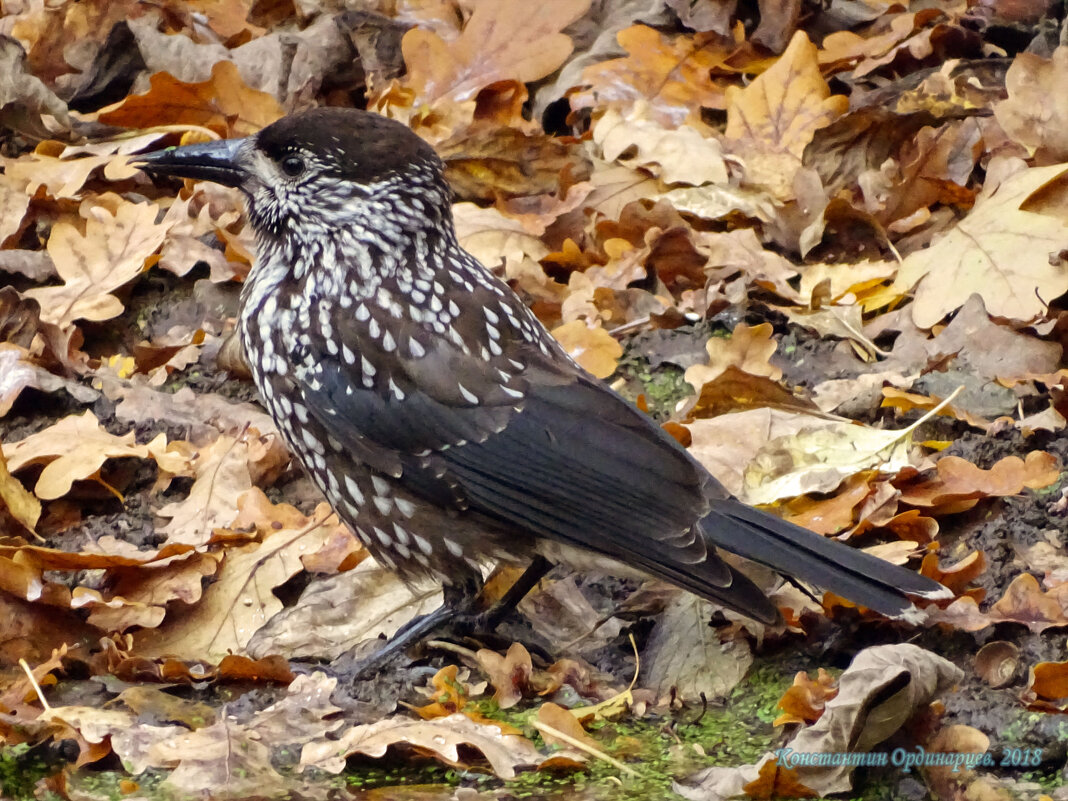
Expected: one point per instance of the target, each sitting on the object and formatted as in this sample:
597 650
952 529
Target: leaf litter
853 212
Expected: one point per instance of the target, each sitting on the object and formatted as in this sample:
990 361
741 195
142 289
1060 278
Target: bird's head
327 169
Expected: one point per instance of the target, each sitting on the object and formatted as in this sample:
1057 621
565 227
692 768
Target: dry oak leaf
959 480
1035 114
804 701
1025 602
671 74
112 247
63 170
1005 250
510 675
748 349
14 202
75 448
591 346
500 241
223 103
680 156
16 500
241 600
339 612
502 40
222 476
441 737
770 122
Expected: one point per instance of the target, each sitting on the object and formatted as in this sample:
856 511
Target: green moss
20 769
663 386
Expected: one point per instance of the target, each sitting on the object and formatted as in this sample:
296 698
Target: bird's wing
548 450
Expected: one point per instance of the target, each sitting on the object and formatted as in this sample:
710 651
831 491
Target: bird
439 417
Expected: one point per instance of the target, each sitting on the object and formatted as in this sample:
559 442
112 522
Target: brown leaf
771 121
1005 250
510 674
73 449
500 41
107 251
1025 602
241 600
1035 113
441 737
958 576
15 500
805 700
671 74
223 103
778 782
747 349
591 346
959 480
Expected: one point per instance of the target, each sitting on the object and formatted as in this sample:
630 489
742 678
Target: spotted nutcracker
442 421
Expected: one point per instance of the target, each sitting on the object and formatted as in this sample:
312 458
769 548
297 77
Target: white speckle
495 349
367 367
401 534
453 547
387 342
423 544
398 393
417 350
383 537
403 550
301 411
386 560
348 355
331 346
382 486
406 508
354 490
384 505
512 393
362 313
373 329
491 315
493 332
454 310
469 396
310 440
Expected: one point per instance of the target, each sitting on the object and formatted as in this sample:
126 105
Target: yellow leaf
593 348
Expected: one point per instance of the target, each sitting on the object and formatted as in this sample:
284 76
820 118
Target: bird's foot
458 616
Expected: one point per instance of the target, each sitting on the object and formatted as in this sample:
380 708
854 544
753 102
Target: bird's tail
786 548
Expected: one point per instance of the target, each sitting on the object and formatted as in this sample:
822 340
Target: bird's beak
213 161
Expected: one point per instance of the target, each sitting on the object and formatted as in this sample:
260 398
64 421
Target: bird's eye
293 166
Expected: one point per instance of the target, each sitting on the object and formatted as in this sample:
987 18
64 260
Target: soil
653 365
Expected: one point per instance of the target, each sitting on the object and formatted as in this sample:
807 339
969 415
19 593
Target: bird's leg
492 617
458 600
457 613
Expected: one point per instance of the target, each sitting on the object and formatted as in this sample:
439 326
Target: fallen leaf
591 346
441 737
680 156
507 40
73 449
1005 250
223 103
671 74
107 251
772 120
